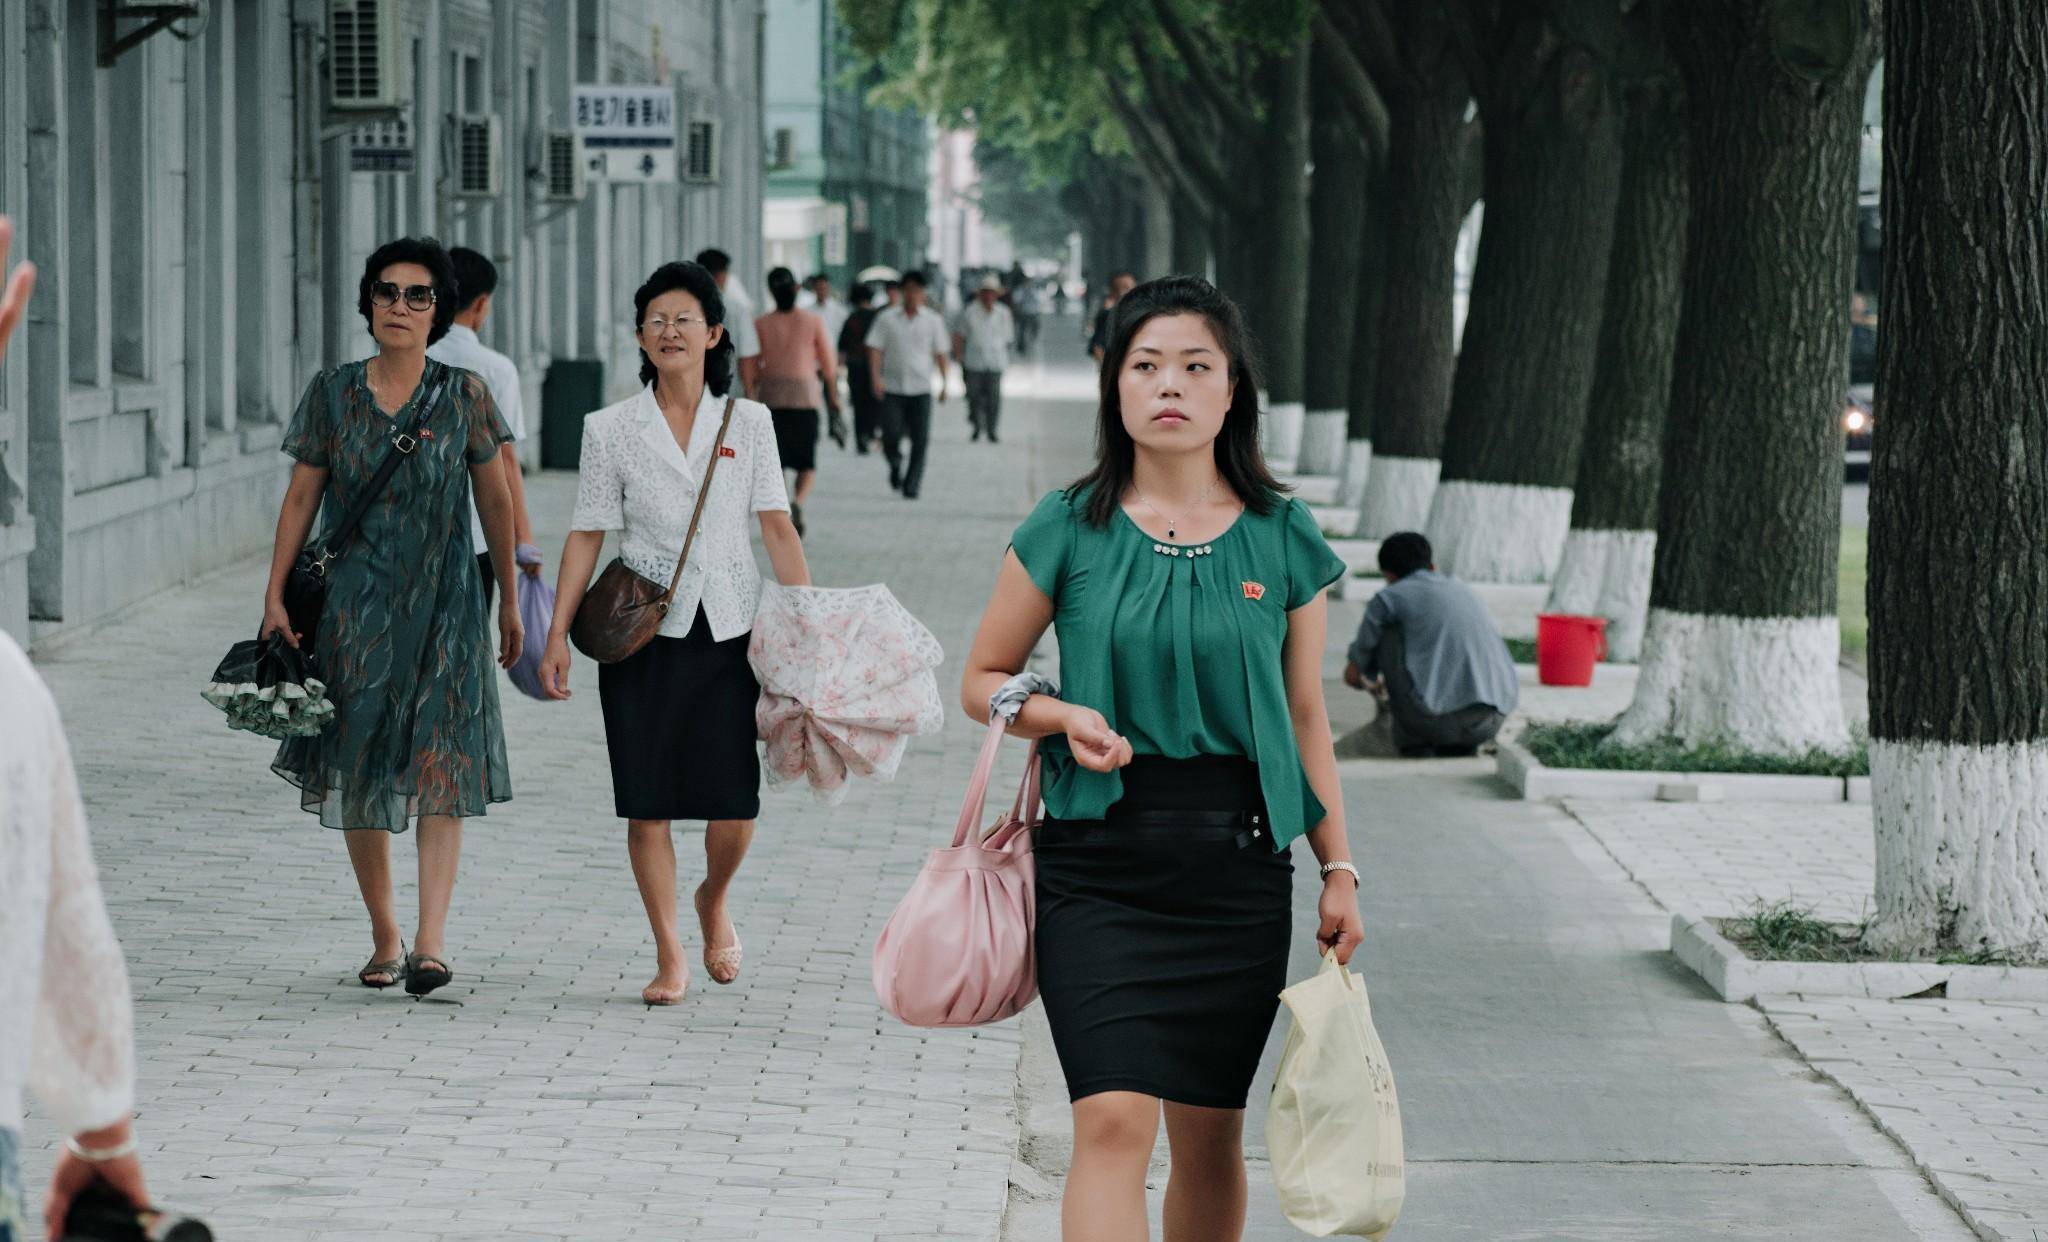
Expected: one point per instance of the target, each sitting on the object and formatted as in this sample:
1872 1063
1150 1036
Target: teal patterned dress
404 645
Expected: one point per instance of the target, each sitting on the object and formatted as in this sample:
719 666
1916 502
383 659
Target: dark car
1859 419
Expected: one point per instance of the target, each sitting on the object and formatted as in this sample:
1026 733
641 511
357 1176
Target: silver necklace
1172 526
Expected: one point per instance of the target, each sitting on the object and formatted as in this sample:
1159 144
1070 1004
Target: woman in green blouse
1188 750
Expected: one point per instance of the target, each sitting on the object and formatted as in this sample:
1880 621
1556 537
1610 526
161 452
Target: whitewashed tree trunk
1283 433
1962 846
1322 442
1606 573
1351 479
1397 495
1768 685
1498 532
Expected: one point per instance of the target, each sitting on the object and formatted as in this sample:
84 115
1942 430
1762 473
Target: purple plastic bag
536 613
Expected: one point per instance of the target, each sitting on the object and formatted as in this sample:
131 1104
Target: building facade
846 181
200 214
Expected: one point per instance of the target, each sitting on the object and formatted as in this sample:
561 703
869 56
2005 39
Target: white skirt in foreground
1499 532
1322 442
1606 573
1768 685
1351 478
1397 492
1962 843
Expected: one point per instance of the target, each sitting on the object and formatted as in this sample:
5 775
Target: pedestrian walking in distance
982 342
477 278
904 344
1098 338
799 370
739 309
1428 645
679 712
402 643
853 355
1187 752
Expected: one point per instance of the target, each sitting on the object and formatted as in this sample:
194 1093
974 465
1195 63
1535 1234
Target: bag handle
977 785
696 514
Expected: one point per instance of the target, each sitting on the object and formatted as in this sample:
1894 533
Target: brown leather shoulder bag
622 610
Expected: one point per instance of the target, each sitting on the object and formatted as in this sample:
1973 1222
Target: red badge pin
1253 590
725 451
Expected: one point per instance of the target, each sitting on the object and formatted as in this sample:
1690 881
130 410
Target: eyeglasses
418 297
657 327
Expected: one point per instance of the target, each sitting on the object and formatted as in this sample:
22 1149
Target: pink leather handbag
957 951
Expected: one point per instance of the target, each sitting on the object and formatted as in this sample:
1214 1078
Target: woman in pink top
797 368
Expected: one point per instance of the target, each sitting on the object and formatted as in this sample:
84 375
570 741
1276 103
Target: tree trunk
1959 484
1742 640
1426 144
1525 369
1157 227
1190 238
1609 554
1365 345
1277 230
1336 242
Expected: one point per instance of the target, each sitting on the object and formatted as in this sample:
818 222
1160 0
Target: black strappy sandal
424 972
395 968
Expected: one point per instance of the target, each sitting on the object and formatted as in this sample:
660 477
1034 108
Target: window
701 151
785 148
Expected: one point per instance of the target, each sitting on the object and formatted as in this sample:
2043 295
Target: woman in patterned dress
402 644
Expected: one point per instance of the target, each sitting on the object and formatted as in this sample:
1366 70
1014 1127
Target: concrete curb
1534 781
1736 977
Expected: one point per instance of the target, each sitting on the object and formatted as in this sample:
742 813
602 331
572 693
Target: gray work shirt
1450 645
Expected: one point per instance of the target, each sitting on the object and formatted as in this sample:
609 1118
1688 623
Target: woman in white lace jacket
65 1026
679 713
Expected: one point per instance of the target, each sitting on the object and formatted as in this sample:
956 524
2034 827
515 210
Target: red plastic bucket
1567 648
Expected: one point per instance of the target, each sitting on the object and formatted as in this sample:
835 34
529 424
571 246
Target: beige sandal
723 965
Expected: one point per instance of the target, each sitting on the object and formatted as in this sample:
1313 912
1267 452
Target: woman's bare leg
653 851
804 480
440 849
725 847
1105 1196
369 852
1206 1191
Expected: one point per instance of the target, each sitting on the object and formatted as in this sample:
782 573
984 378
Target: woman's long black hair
1238 457
692 279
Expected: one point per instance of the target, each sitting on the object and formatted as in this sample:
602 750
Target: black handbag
305 584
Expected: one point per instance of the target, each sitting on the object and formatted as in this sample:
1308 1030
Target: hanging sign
628 132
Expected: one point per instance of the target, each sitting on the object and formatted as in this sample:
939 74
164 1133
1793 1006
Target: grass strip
1585 744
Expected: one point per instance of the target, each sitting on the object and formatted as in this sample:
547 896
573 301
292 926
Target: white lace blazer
66 1029
636 480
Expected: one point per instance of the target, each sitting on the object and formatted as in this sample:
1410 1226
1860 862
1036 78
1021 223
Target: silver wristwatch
1357 879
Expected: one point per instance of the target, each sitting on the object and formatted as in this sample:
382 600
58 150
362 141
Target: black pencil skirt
1163 934
679 725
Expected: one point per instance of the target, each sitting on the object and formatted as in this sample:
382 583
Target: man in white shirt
982 343
903 345
476 279
817 296
739 316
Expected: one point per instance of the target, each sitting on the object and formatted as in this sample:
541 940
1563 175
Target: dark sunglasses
419 297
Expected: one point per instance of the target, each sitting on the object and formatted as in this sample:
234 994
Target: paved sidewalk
1961 1085
536 1097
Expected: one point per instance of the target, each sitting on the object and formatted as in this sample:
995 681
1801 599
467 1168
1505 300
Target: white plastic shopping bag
1334 1130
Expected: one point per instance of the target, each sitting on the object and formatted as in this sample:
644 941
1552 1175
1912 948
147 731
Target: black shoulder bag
305 587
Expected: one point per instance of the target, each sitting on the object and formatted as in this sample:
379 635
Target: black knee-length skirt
1163 934
679 725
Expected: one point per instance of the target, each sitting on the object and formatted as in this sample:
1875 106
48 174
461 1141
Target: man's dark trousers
1415 726
984 400
906 414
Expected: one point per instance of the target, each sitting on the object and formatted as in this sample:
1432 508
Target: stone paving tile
536 1097
1718 859
1962 1085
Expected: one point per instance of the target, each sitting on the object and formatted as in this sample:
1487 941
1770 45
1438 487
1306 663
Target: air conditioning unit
479 156
562 167
700 151
365 72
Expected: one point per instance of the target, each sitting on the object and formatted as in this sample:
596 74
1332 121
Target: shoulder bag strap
402 446
690 536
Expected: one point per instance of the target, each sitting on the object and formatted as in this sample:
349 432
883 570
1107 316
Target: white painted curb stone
1736 977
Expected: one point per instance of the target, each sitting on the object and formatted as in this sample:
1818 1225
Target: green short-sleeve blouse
1178 645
